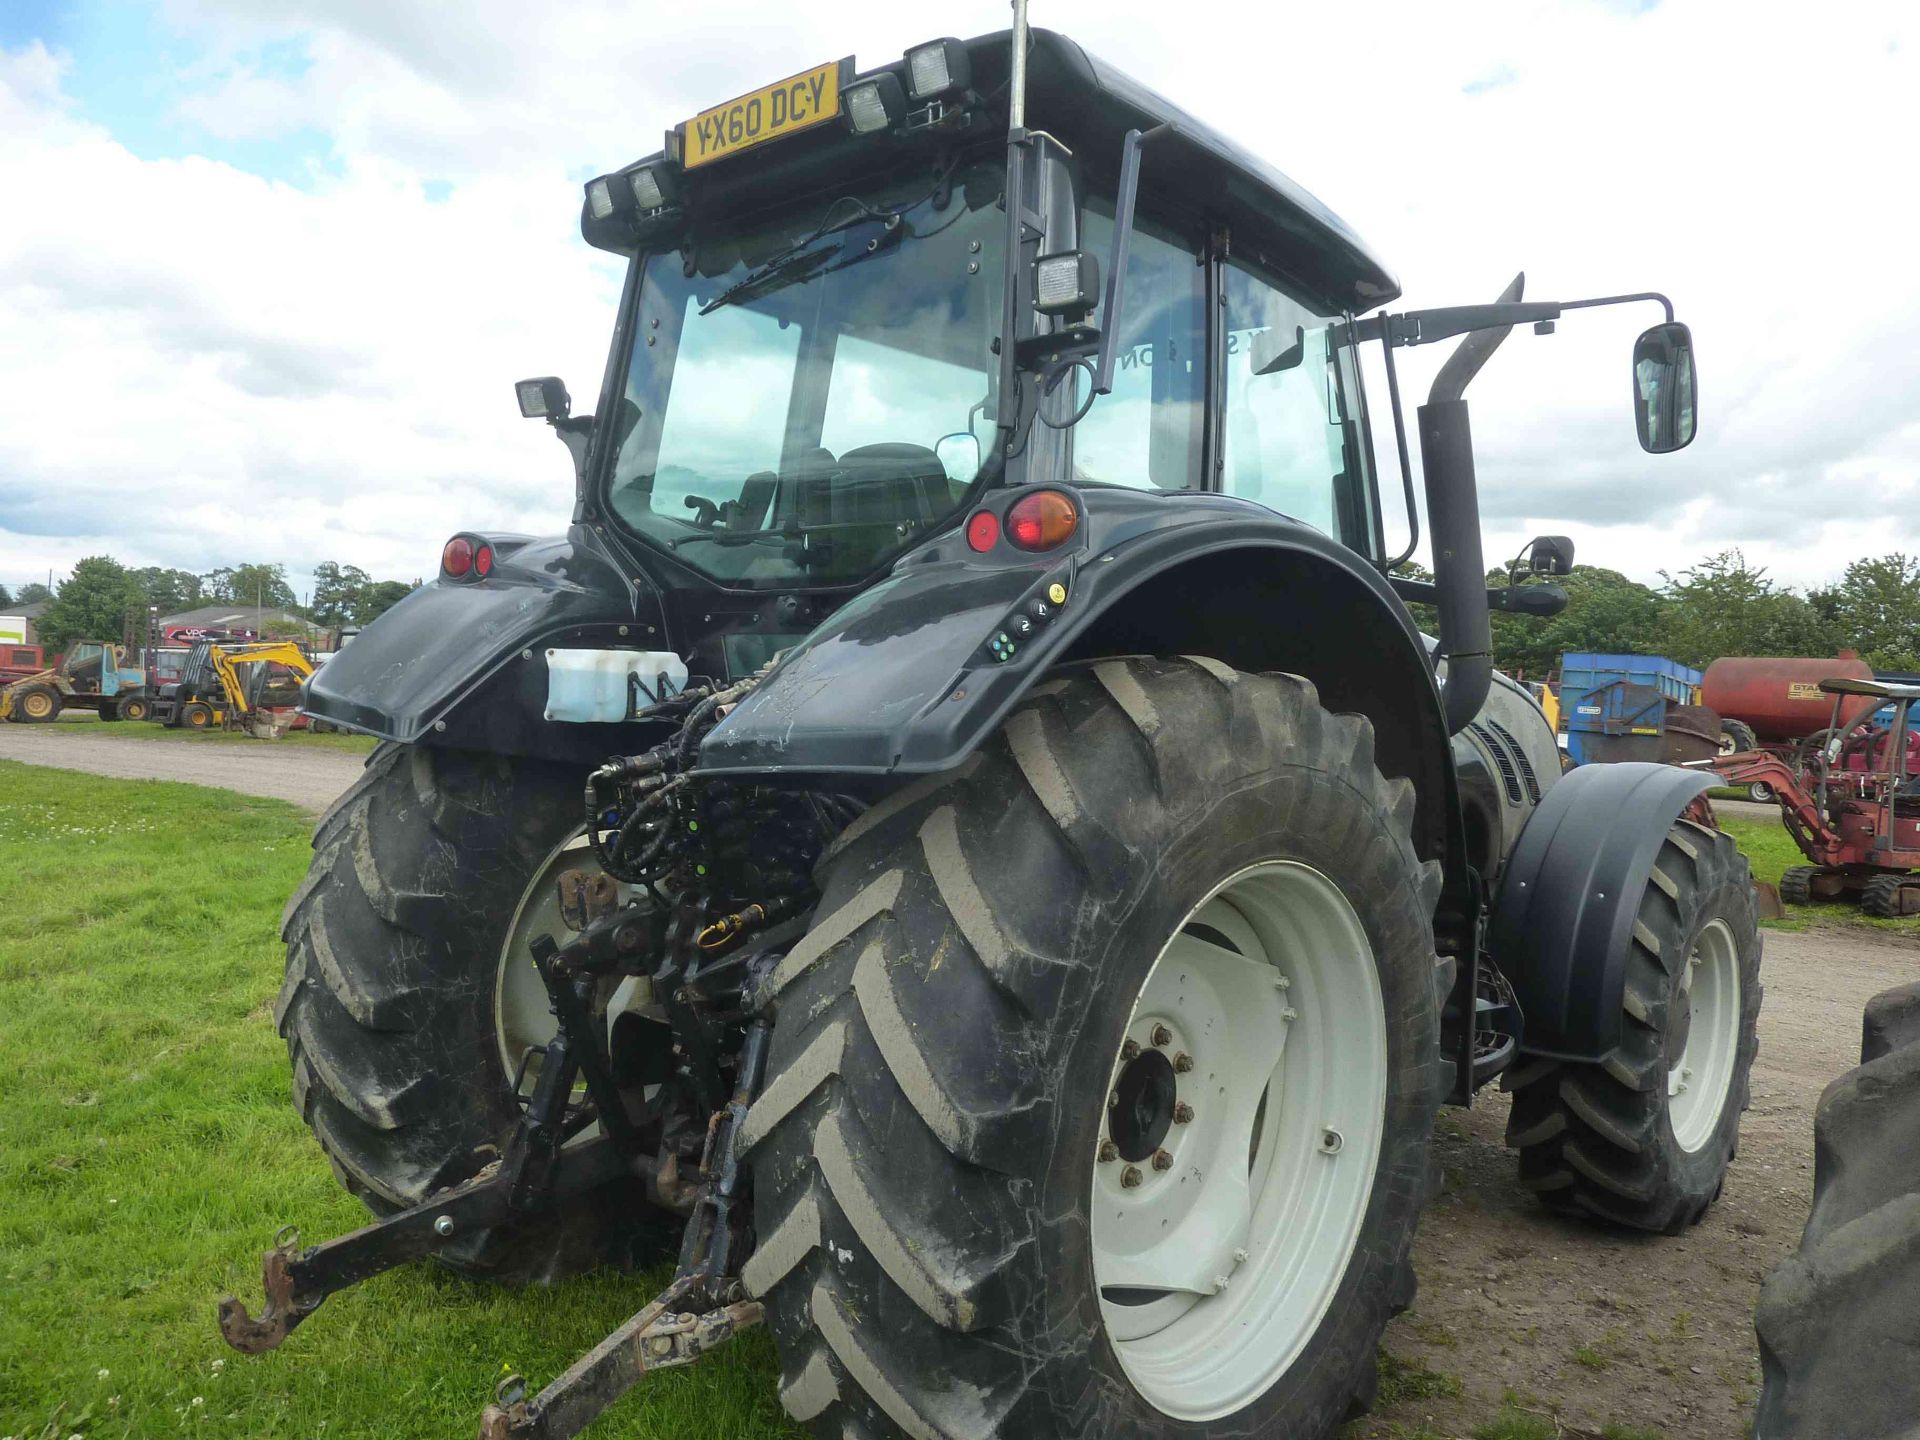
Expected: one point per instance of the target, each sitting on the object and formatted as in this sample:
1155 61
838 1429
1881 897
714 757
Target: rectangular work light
938 67
1066 284
654 187
874 103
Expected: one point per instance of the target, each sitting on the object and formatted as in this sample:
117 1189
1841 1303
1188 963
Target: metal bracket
663 1336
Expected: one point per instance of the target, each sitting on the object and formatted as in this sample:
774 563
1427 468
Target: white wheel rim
1216 1270
1702 1073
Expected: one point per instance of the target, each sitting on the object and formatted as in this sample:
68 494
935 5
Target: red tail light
457 559
1042 521
983 530
483 561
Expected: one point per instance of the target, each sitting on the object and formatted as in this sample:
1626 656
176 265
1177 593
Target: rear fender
462 663
1563 919
904 679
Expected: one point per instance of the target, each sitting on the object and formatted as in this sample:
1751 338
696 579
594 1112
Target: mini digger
963 840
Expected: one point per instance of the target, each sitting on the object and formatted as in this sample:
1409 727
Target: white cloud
198 365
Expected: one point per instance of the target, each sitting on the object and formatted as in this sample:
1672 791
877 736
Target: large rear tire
1838 1320
398 978
1644 1137
942 1145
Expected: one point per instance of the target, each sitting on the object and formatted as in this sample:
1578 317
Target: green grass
148 1151
1770 850
88 725
1402 1380
1516 1424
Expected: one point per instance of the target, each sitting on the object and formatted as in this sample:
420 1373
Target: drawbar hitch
701 1308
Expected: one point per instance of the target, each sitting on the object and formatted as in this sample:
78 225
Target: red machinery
1854 810
1774 702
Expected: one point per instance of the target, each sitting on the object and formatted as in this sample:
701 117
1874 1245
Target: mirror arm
1400 441
1123 207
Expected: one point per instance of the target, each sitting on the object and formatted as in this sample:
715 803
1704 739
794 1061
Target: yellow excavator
253 687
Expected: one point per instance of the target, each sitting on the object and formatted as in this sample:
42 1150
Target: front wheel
37 705
197 715
134 707
1101 1089
1644 1136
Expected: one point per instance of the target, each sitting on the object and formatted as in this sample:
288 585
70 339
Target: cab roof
1089 106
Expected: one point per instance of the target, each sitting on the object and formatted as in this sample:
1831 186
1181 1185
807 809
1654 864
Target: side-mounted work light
543 398
937 67
875 103
1066 284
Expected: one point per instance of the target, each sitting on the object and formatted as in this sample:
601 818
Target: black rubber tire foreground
393 949
1839 1320
1595 1139
924 1144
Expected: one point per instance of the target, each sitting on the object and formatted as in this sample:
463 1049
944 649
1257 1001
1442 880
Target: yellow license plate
784 108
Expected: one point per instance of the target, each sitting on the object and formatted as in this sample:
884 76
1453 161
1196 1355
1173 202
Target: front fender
403 674
1563 920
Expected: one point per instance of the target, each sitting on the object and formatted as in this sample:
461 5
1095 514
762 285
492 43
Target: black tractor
964 835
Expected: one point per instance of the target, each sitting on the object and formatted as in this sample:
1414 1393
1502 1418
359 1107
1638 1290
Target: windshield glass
785 405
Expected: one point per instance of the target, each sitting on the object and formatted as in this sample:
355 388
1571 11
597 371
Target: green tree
1724 606
6 597
338 593
263 585
170 590
91 604
379 597
1875 608
32 593
1605 612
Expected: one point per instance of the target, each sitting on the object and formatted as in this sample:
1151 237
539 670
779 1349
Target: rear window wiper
801 264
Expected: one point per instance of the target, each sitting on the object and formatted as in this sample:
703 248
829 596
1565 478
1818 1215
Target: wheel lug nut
1182 1113
1130 1177
1108 1151
1182 1063
1130 1050
1162 1036
1113 1100
1162 1160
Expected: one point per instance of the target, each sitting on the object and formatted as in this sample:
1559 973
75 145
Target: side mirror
1664 396
1551 555
959 456
543 398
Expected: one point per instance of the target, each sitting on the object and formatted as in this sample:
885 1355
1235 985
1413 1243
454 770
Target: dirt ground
309 778
1650 1334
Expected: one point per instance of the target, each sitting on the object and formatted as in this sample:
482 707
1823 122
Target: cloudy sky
268 268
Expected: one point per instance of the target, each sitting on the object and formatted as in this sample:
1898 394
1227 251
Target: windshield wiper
798 265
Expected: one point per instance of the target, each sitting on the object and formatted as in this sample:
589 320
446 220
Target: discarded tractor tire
1891 897
1644 1137
393 984
1838 1321
951 1130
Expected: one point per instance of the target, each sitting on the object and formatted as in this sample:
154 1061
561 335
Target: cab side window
1292 437
1148 432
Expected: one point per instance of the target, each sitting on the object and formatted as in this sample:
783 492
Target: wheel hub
1141 1112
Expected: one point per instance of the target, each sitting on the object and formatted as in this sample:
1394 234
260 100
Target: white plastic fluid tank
588 686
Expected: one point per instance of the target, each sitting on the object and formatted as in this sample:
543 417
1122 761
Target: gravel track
309 778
